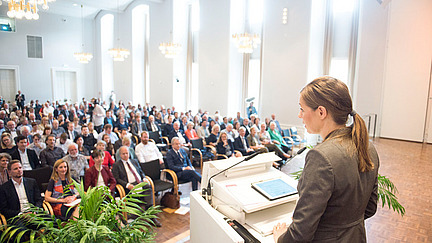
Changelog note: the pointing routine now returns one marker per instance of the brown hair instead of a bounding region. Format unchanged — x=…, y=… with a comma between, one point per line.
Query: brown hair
x=55, y=175
x=334, y=95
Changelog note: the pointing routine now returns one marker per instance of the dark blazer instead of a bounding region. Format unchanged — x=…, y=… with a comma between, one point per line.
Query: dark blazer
x=238, y=145
x=91, y=178
x=31, y=155
x=247, y=130
x=119, y=172
x=135, y=128
x=220, y=149
x=174, y=134
x=74, y=132
x=89, y=142
x=167, y=128
x=334, y=197
x=149, y=127
x=9, y=201
x=174, y=162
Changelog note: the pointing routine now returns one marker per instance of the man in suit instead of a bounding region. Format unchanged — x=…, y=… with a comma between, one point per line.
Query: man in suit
x=128, y=173
x=20, y=98
x=89, y=139
x=138, y=126
x=71, y=133
x=27, y=157
x=152, y=125
x=16, y=193
x=177, y=132
x=179, y=162
x=241, y=143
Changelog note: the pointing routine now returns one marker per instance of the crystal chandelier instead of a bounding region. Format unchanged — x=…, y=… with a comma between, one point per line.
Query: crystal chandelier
x=118, y=54
x=170, y=49
x=28, y=9
x=246, y=42
x=83, y=57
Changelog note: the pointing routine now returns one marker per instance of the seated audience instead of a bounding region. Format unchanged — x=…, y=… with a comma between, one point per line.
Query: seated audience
x=77, y=162
x=63, y=142
x=25, y=131
x=229, y=131
x=99, y=175
x=109, y=146
x=213, y=138
x=56, y=129
x=147, y=151
x=138, y=126
x=254, y=142
x=121, y=124
x=28, y=158
x=5, y=159
x=47, y=131
x=190, y=131
x=17, y=193
x=89, y=139
x=126, y=142
x=203, y=131
x=11, y=128
x=152, y=125
x=118, y=143
x=128, y=173
x=51, y=153
x=108, y=160
x=264, y=138
x=225, y=146
x=7, y=144
x=37, y=144
x=277, y=139
x=241, y=144
x=92, y=130
x=71, y=133
x=108, y=130
x=61, y=191
x=184, y=140
x=236, y=126
x=81, y=149
x=178, y=161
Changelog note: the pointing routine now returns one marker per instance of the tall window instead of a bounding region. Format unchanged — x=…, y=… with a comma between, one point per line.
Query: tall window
x=245, y=69
x=140, y=69
x=194, y=26
x=107, y=41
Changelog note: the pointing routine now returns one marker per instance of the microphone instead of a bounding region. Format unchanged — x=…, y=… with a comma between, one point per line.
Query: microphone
x=208, y=191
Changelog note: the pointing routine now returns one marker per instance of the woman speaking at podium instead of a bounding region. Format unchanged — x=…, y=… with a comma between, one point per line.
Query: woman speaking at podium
x=338, y=187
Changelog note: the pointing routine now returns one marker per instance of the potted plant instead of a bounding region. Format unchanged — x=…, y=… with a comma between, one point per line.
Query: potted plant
x=100, y=220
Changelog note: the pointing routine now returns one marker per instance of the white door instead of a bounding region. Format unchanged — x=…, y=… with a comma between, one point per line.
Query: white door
x=8, y=84
x=65, y=86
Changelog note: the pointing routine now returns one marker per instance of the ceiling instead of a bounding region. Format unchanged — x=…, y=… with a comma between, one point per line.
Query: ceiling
x=90, y=7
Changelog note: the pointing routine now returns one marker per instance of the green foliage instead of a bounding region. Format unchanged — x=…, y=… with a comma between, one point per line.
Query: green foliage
x=386, y=192
x=100, y=220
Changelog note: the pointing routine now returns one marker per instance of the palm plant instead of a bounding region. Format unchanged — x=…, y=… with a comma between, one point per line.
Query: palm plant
x=100, y=220
x=386, y=192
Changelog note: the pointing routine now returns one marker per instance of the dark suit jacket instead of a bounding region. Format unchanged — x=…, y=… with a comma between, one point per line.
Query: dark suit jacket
x=220, y=149
x=91, y=178
x=119, y=172
x=31, y=155
x=135, y=128
x=167, y=128
x=174, y=162
x=89, y=142
x=74, y=132
x=238, y=145
x=149, y=127
x=9, y=201
x=174, y=134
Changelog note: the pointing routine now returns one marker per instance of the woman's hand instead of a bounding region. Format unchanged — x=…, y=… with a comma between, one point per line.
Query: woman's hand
x=278, y=230
x=70, y=199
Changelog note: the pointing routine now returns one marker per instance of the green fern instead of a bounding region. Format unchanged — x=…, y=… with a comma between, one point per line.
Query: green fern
x=386, y=192
x=99, y=220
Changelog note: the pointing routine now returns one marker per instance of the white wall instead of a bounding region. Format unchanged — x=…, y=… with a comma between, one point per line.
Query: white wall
x=285, y=59
x=61, y=38
x=407, y=70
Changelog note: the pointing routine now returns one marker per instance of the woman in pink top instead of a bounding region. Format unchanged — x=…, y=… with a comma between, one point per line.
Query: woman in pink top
x=190, y=131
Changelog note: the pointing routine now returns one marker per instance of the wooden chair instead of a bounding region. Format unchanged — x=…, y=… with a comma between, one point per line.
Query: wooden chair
x=121, y=194
x=3, y=220
x=47, y=207
x=199, y=148
x=161, y=142
x=153, y=173
x=218, y=156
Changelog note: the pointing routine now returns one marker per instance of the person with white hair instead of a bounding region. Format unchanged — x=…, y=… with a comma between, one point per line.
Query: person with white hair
x=77, y=162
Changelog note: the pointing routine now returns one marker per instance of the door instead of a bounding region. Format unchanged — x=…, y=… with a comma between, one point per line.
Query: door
x=8, y=84
x=65, y=86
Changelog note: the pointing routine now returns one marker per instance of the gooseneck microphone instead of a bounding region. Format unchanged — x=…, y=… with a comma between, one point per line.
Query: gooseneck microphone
x=208, y=191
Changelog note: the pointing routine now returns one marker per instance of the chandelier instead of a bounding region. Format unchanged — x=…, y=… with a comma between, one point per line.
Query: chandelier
x=246, y=42
x=170, y=49
x=118, y=54
x=28, y=9
x=83, y=57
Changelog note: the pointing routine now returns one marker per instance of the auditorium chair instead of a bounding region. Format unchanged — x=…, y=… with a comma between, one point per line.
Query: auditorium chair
x=41, y=175
x=154, y=174
x=157, y=139
x=199, y=148
x=3, y=220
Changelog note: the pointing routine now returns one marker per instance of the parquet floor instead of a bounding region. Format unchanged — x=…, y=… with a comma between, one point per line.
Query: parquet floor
x=407, y=164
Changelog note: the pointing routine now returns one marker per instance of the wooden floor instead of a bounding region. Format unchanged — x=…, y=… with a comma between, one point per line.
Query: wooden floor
x=407, y=164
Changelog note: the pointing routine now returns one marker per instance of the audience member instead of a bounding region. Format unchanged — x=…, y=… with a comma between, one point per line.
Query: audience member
x=63, y=142
x=51, y=153
x=7, y=144
x=152, y=125
x=89, y=139
x=277, y=139
x=225, y=146
x=108, y=130
x=5, y=159
x=28, y=158
x=190, y=131
x=77, y=162
x=147, y=151
x=179, y=162
x=241, y=144
x=37, y=144
x=108, y=160
x=99, y=175
x=81, y=149
x=138, y=126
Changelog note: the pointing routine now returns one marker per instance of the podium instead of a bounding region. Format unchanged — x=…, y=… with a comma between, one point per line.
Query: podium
x=234, y=198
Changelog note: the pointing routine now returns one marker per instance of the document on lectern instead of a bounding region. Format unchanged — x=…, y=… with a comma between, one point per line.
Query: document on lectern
x=274, y=189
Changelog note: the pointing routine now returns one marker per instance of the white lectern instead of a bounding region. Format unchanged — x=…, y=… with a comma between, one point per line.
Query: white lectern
x=234, y=198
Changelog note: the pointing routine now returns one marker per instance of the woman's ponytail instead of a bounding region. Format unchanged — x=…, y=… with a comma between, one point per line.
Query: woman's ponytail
x=360, y=139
